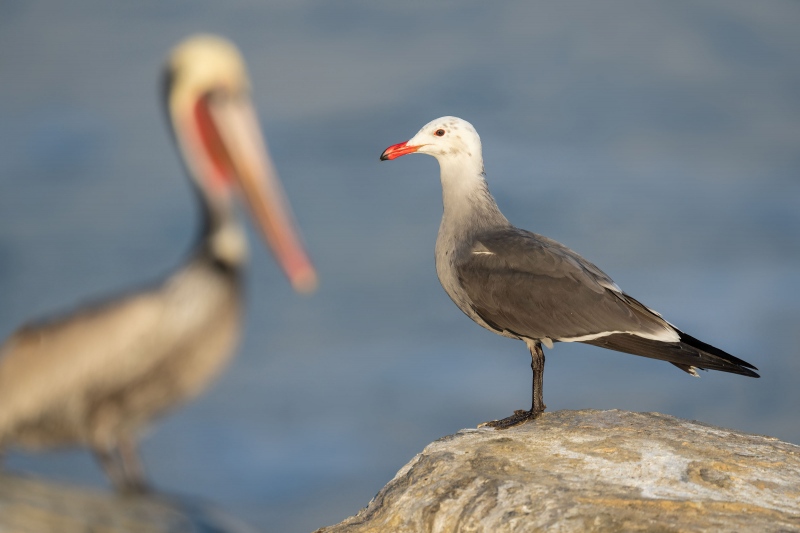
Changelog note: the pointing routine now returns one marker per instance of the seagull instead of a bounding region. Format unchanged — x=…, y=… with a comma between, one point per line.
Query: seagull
x=525, y=286
x=97, y=376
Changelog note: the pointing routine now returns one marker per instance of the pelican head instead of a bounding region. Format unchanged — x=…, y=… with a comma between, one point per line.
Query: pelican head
x=216, y=128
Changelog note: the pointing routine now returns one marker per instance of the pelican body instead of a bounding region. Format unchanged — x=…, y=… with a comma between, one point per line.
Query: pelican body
x=96, y=376
x=525, y=286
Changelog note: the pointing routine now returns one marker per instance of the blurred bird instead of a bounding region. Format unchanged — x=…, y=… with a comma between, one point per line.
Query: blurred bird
x=525, y=286
x=96, y=376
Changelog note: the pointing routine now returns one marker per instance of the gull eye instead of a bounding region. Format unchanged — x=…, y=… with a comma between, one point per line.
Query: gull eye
x=439, y=133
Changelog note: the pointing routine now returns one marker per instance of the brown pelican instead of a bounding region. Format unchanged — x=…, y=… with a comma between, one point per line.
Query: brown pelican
x=96, y=376
x=525, y=286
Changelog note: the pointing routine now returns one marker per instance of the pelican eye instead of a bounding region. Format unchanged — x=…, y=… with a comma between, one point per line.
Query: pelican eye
x=439, y=133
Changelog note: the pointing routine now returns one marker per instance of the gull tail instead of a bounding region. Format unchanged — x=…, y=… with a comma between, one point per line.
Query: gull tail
x=687, y=354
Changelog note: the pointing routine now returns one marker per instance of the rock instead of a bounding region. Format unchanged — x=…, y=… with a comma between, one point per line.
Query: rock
x=592, y=471
x=38, y=506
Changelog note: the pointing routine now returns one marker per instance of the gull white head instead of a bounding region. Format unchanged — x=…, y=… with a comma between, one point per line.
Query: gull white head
x=446, y=139
x=457, y=146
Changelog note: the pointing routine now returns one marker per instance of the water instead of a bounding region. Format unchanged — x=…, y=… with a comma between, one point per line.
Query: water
x=659, y=140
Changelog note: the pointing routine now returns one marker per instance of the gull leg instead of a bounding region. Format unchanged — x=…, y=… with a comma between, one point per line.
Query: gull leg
x=537, y=367
x=537, y=403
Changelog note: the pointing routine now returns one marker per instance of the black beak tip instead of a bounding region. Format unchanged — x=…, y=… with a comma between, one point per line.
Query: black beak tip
x=384, y=157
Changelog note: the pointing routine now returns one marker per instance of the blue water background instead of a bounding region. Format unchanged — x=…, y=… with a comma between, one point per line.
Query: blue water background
x=661, y=140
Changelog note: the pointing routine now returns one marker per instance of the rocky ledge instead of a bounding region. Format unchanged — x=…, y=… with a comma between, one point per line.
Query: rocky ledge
x=592, y=471
x=30, y=505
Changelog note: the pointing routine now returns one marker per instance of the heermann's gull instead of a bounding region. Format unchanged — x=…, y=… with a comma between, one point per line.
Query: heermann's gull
x=96, y=376
x=525, y=286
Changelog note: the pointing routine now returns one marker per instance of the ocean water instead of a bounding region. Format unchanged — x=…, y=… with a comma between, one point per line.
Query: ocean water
x=661, y=141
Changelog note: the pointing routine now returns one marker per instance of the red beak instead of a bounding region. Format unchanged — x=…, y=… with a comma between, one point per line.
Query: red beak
x=395, y=151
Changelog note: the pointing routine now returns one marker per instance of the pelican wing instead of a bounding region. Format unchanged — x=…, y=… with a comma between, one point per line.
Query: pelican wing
x=64, y=362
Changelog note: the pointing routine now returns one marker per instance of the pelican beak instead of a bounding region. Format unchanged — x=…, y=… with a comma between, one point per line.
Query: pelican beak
x=396, y=150
x=240, y=136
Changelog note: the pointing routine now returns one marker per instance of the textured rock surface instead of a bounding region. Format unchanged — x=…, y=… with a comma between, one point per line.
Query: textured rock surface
x=592, y=471
x=38, y=506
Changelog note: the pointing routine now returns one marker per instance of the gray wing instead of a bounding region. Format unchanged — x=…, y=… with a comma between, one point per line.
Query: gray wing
x=534, y=287
x=531, y=286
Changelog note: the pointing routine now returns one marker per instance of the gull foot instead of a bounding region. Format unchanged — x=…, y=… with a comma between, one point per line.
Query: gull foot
x=519, y=417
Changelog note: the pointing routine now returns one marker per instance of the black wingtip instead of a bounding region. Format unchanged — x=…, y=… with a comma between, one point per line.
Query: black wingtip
x=743, y=367
x=686, y=353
